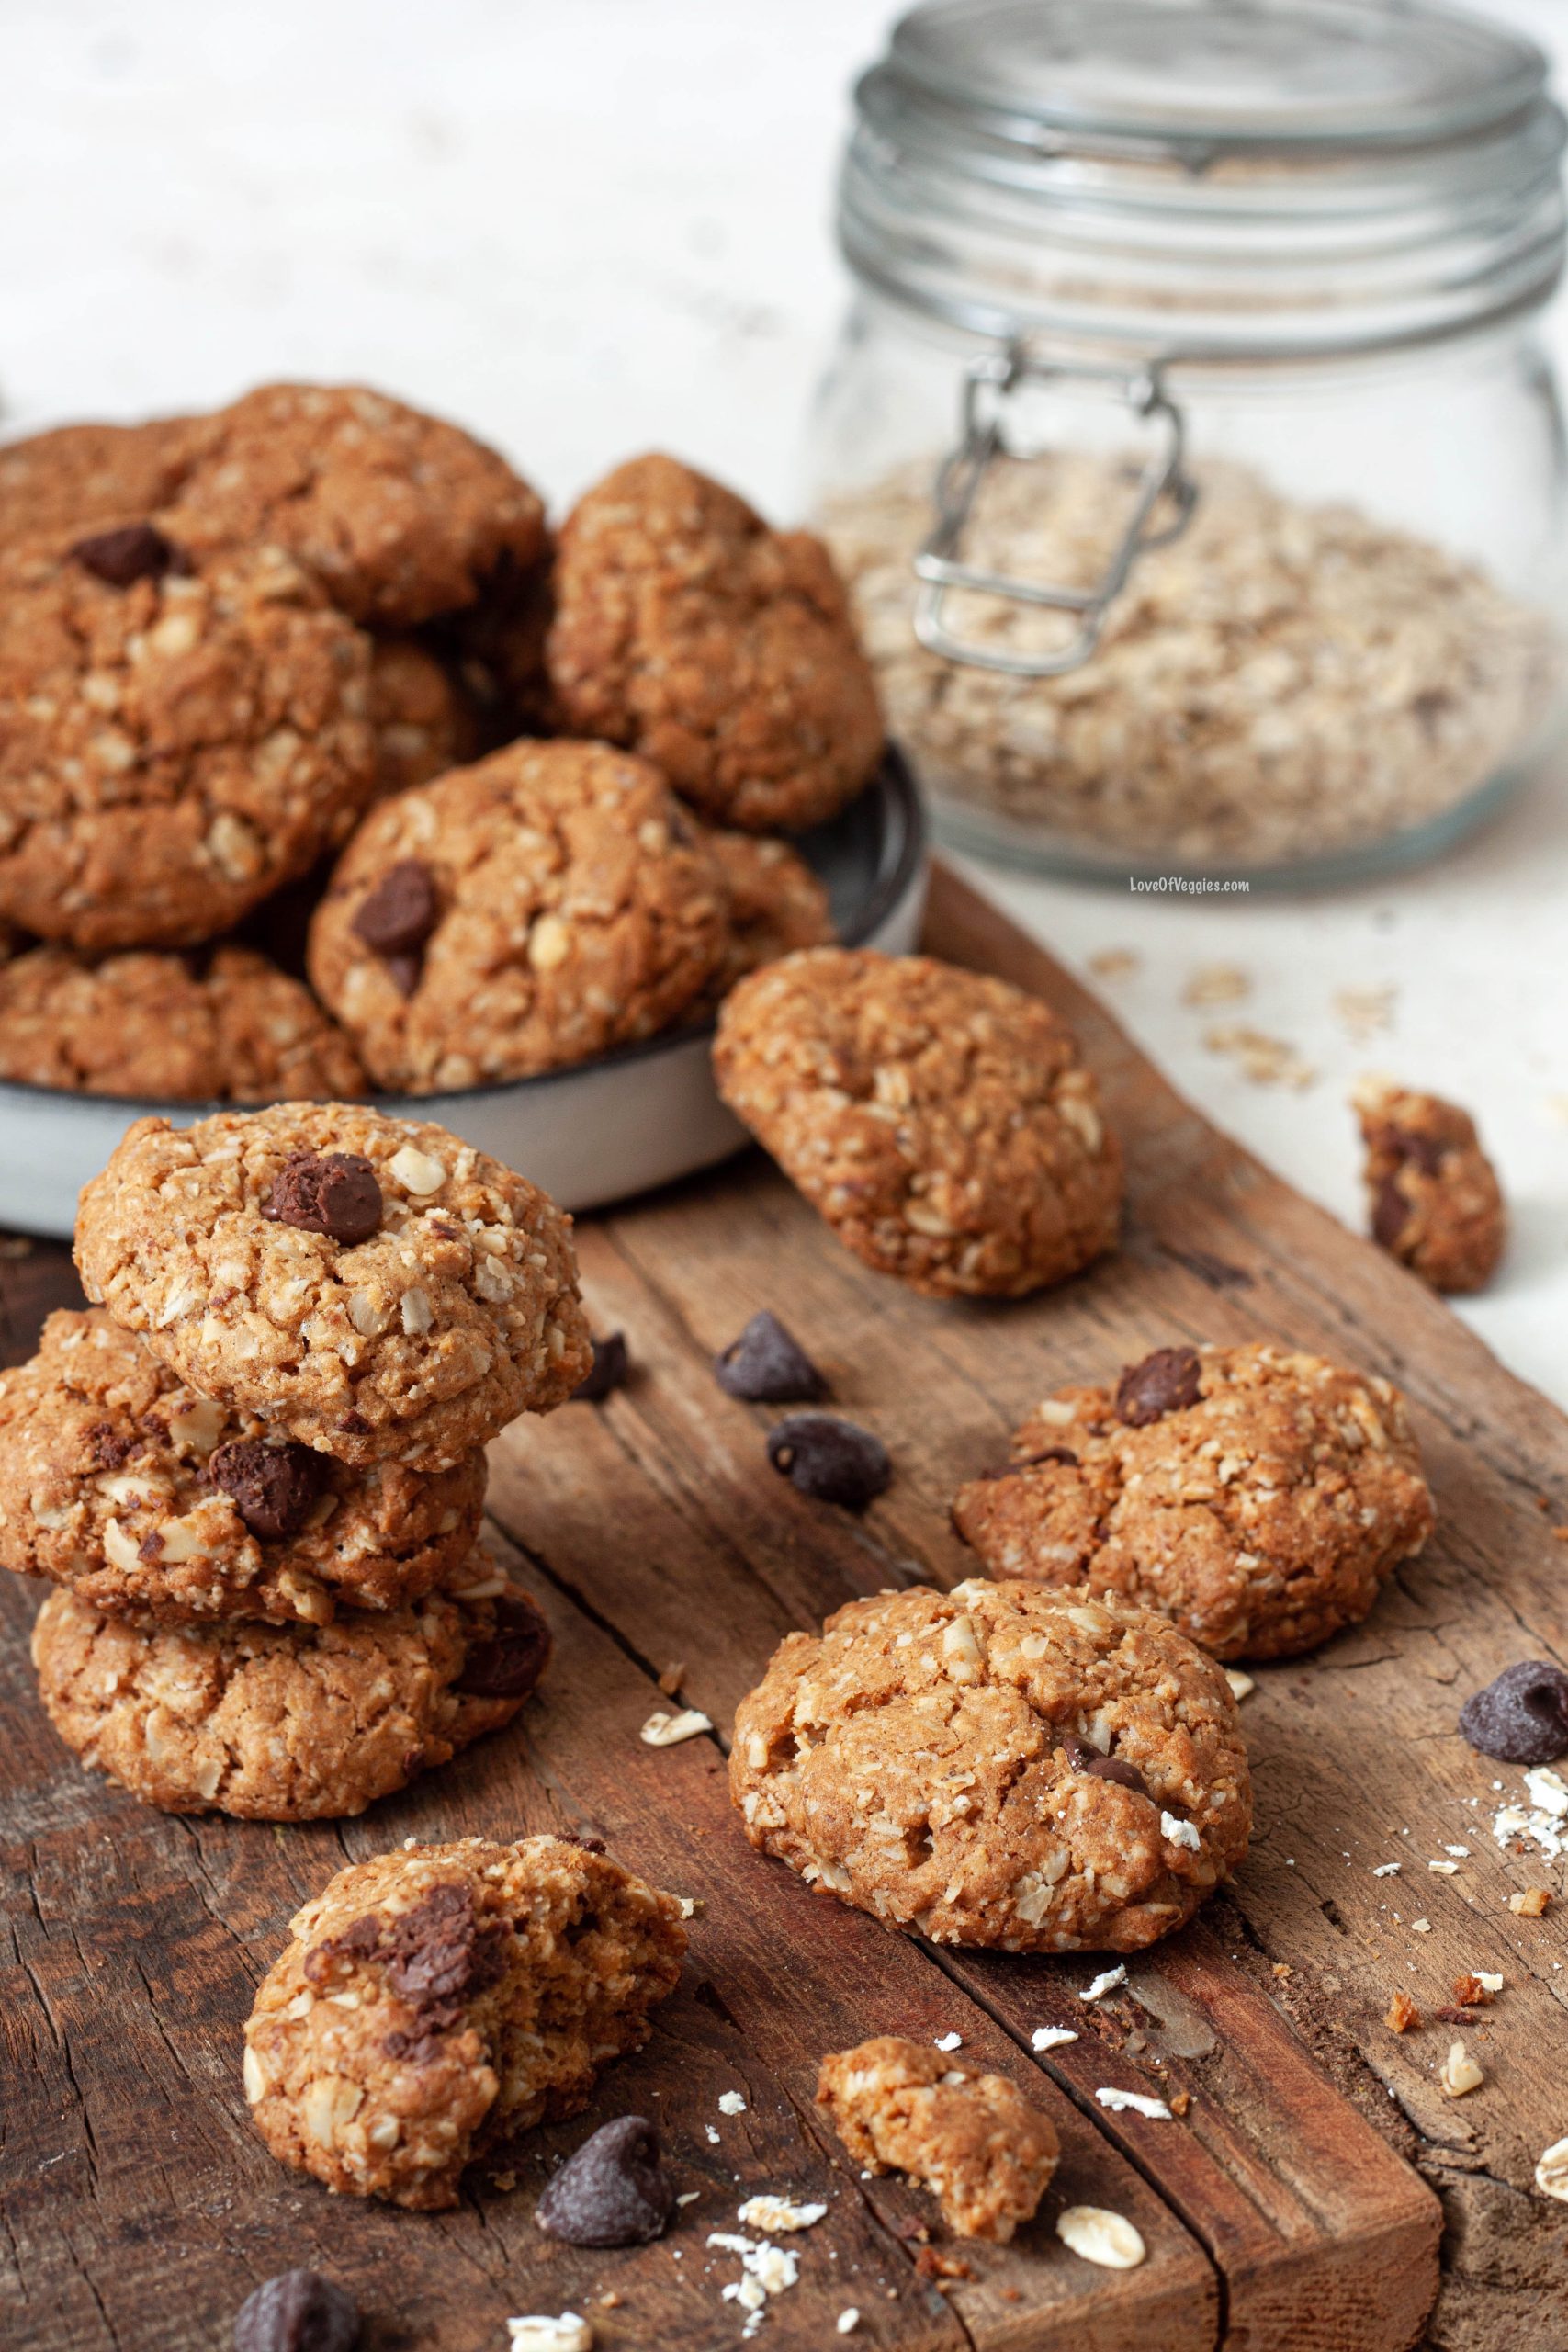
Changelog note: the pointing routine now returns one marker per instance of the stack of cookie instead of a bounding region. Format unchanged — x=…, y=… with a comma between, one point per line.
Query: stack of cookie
x=256, y=1469
x=231, y=644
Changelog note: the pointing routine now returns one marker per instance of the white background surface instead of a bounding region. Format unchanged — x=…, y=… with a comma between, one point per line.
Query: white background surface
x=585, y=227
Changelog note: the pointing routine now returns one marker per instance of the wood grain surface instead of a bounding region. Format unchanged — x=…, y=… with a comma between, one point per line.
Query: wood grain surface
x=1291, y=2207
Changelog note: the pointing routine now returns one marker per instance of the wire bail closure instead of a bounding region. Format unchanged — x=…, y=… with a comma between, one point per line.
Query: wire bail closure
x=989, y=382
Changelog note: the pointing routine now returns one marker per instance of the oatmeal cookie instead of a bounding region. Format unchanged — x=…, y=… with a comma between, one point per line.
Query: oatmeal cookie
x=398, y=515
x=121, y=1482
x=776, y=904
x=533, y=911
x=1257, y=1498
x=371, y=1286
x=1435, y=1201
x=973, y=2139
x=423, y=720
x=226, y=1028
x=940, y=1120
x=1001, y=1764
x=296, y=1722
x=487, y=1985
x=175, y=741
x=687, y=631
x=83, y=477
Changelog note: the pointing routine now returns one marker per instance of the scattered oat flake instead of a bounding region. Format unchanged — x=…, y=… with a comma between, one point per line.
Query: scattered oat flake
x=538, y=2334
x=732, y=2103
x=774, y=2213
x=663, y=1730
x=1461, y=1850
x=1178, y=1832
x=1241, y=1684
x=1155, y=2109
x=1386, y=1870
x=1217, y=984
x=1445, y=1870
x=688, y=2197
x=1110, y=2239
x=1365, y=1012
x=1104, y=1984
x=1121, y=962
x=847, y=2321
x=1051, y=2037
x=1421, y=1927
x=1460, y=2073
x=948, y=2042
x=1552, y=2170
x=1261, y=1060
x=1548, y=1790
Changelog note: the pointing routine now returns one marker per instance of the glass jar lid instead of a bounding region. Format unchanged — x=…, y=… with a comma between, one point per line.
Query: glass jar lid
x=1195, y=179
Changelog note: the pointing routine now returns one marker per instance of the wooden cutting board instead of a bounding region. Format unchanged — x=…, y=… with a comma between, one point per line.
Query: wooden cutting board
x=1295, y=2206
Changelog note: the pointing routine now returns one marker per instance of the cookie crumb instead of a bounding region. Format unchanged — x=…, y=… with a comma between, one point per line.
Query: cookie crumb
x=732, y=2103
x=1552, y=2171
x=1460, y=2073
x=1108, y=1981
x=948, y=2042
x=1242, y=1685
x=1402, y=2016
x=1134, y=2102
x=1051, y=2037
x=569, y=2333
x=1530, y=1902
x=1421, y=1927
x=663, y=1730
x=770, y=2214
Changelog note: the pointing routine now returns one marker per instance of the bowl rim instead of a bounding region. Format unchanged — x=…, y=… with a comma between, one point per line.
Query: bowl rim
x=893, y=777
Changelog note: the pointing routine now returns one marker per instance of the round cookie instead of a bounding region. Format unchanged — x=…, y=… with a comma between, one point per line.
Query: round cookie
x=1435, y=1201
x=532, y=911
x=940, y=1120
x=371, y=1286
x=82, y=478
x=1257, y=1498
x=176, y=741
x=300, y=1723
x=423, y=721
x=438, y=2000
x=122, y=1484
x=723, y=651
x=997, y=1766
x=776, y=904
x=399, y=516
x=231, y=1028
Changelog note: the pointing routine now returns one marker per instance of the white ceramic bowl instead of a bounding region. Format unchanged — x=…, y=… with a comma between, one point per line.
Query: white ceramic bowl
x=638, y=1117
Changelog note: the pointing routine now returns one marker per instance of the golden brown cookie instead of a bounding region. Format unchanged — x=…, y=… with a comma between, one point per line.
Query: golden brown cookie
x=424, y=722
x=974, y=2139
x=439, y=1999
x=1435, y=1199
x=940, y=1120
x=999, y=1765
x=1258, y=1497
x=286, y=1722
x=533, y=911
x=176, y=741
x=371, y=1286
x=121, y=1482
x=776, y=904
x=226, y=1028
x=399, y=516
x=723, y=651
x=83, y=477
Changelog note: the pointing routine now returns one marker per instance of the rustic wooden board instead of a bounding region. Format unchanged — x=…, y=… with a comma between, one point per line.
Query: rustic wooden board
x=1288, y=2209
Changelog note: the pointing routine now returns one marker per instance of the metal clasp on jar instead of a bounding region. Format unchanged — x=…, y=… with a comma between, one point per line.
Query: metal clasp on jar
x=989, y=382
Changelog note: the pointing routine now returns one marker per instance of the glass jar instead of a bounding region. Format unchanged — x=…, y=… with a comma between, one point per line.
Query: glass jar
x=1190, y=446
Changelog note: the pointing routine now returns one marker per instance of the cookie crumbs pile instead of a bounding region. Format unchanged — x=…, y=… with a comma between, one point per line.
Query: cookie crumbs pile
x=255, y=1468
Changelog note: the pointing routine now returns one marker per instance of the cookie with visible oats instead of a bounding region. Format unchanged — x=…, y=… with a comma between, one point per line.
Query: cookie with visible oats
x=1435, y=1199
x=550, y=903
x=439, y=2000
x=119, y=1482
x=372, y=1287
x=286, y=1723
x=940, y=1120
x=974, y=2141
x=1259, y=1497
x=423, y=719
x=228, y=1028
x=1001, y=1764
x=775, y=904
x=723, y=651
x=82, y=478
x=177, y=740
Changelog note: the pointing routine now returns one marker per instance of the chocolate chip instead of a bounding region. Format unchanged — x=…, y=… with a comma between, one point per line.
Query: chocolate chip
x=1390, y=1212
x=401, y=911
x=273, y=1487
x=112, y=1447
x=1084, y=1756
x=613, y=2191
x=1164, y=1382
x=767, y=1365
x=120, y=558
x=832, y=1461
x=405, y=972
x=611, y=1368
x=436, y=1953
x=1422, y=1151
x=510, y=1663
x=333, y=1192
x=297, y=2312
x=1522, y=1717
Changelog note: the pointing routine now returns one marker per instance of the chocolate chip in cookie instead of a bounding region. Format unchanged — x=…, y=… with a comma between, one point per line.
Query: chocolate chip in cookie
x=767, y=1365
x=1166, y=1382
x=510, y=1663
x=273, y=1487
x=336, y=1192
x=297, y=2312
x=832, y=1461
x=1084, y=1756
x=120, y=558
x=613, y=2191
x=398, y=916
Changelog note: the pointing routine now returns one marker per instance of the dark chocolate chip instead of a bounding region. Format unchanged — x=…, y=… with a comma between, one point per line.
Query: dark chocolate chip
x=611, y=1368
x=767, y=1365
x=438, y=1953
x=297, y=2312
x=613, y=2191
x=135, y=551
x=832, y=1461
x=401, y=911
x=1522, y=1717
x=510, y=1663
x=404, y=972
x=1164, y=1382
x=1390, y=1212
x=333, y=1192
x=1084, y=1756
x=112, y=1447
x=578, y=1837
x=273, y=1487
